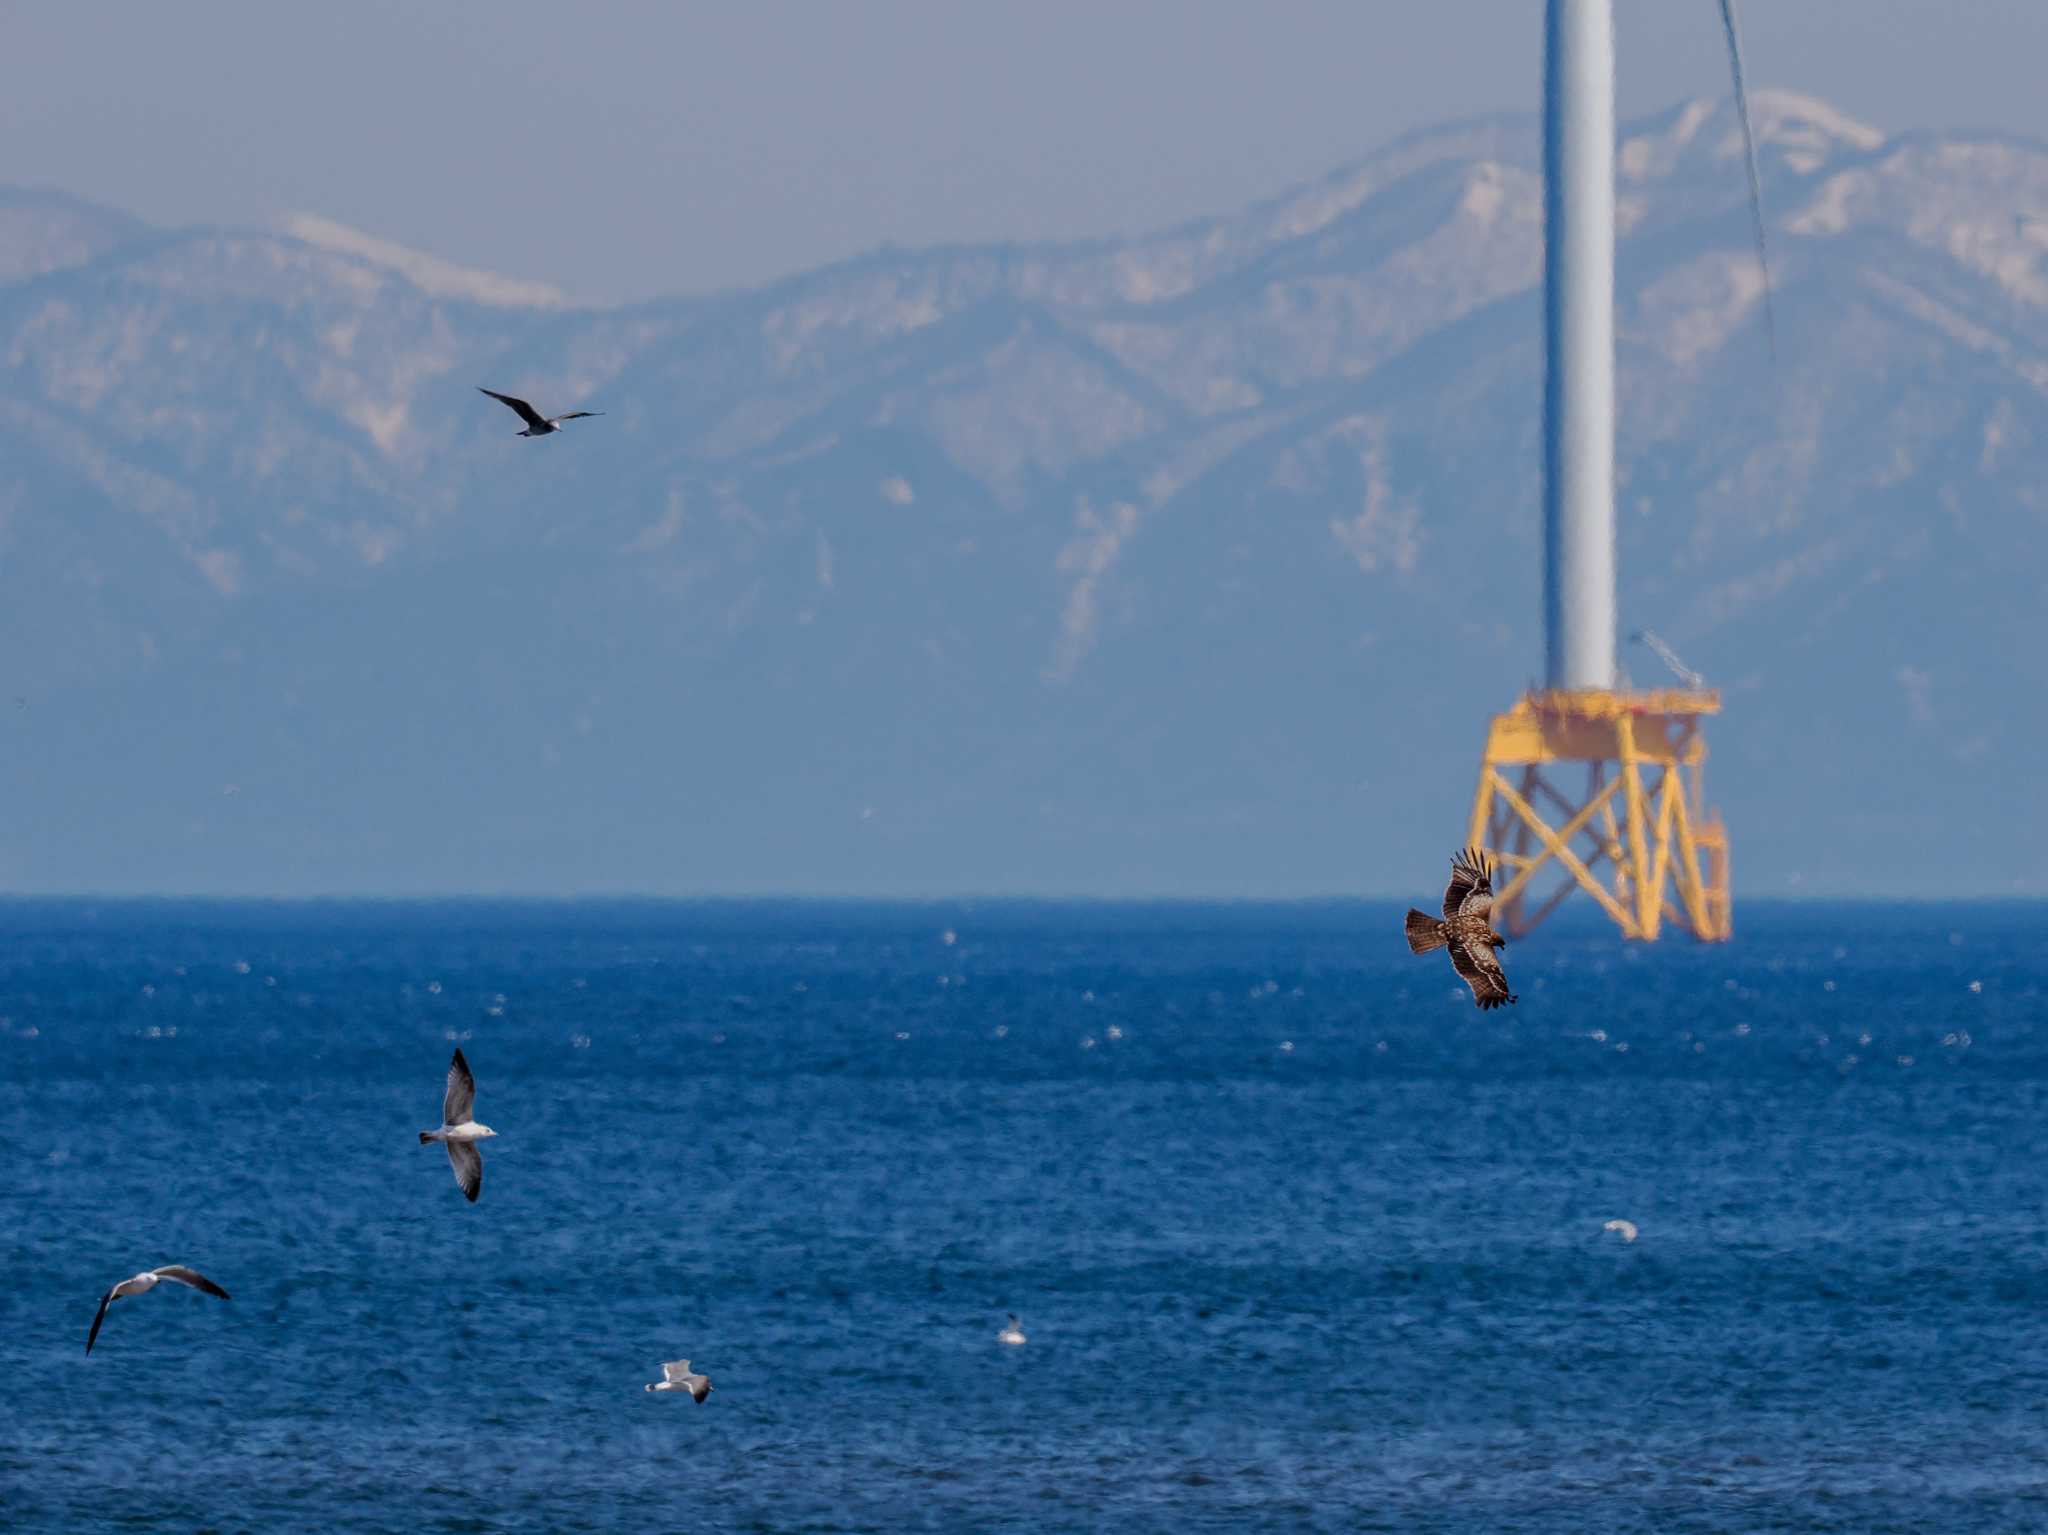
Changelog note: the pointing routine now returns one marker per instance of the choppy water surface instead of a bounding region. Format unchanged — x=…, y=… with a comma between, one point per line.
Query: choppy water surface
x=1300, y=1239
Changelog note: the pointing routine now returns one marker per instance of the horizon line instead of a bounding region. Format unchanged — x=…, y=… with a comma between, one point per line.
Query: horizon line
x=925, y=898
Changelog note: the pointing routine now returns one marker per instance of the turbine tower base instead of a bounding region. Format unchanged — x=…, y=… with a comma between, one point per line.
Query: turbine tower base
x=1641, y=817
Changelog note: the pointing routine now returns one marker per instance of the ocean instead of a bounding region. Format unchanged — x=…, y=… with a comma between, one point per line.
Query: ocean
x=1299, y=1238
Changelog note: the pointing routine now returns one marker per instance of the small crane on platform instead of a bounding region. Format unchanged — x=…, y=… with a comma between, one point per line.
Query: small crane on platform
x=1669, y=657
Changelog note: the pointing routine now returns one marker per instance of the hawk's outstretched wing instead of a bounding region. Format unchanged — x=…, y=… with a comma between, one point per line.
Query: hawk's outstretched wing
x=1482, y=972
x=1471, y=882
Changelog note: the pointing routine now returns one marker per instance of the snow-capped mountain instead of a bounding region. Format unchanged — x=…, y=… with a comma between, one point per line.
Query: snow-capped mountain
x=1194, y=562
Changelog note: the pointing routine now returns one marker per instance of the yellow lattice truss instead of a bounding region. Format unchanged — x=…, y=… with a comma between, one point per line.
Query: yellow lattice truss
x=1641, y=821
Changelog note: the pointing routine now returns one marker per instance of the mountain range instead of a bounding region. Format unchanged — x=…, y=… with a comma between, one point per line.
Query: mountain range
x=1185, y=564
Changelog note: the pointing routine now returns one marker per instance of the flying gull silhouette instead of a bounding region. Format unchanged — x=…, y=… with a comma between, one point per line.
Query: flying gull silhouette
x=459, y=1130
x=537, y=425
x=142, y=1284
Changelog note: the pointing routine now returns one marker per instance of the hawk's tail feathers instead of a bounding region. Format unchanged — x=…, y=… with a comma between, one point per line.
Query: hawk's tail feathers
x=1424, y=932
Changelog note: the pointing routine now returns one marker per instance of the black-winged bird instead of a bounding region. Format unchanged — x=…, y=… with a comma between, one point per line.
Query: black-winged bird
x=142, y=1284
x=537, y=425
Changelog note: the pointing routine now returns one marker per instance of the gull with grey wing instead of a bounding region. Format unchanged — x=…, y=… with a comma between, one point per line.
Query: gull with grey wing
x=459, y=1130
x=676, y=1376
x=143, y=1283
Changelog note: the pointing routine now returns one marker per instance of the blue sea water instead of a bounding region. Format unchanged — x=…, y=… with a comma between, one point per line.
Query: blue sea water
x=1301, y=1240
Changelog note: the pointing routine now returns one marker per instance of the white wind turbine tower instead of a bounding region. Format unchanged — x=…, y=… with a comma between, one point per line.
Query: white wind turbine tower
x=1654, y=831
x=1578, y=284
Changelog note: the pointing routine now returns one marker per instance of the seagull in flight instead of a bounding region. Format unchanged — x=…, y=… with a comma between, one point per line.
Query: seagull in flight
x=142, y=1284
x=459, y=1130
x=676, y=1376
x=537, y=425
x=1013, y=1334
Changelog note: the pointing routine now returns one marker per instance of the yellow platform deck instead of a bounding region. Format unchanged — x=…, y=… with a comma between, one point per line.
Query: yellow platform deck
x=1641, y=820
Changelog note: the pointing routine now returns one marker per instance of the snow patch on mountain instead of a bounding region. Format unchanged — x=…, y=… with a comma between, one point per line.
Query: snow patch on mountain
x=430, y=274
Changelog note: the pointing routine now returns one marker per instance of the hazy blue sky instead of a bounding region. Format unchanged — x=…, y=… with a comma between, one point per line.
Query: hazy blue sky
x=628, y=149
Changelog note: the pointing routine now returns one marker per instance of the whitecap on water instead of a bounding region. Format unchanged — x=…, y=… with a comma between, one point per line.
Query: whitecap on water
x=949, y=938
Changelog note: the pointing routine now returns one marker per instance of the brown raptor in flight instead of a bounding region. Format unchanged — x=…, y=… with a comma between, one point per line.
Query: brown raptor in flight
x=1465, y=929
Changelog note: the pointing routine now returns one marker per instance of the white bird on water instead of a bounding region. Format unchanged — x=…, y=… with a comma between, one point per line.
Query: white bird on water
x=459, y=1129
x=1013, y=1334
x=142, y=1284
x=676, y=1376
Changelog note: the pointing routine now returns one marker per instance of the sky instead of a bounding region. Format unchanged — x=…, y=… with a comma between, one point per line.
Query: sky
x=624, y=150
